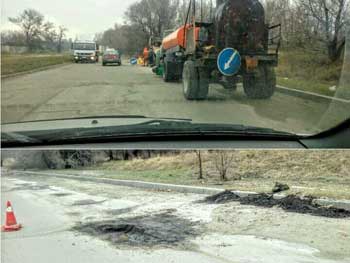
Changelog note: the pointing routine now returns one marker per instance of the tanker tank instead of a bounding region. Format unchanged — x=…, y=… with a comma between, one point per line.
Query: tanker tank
x=241, y=24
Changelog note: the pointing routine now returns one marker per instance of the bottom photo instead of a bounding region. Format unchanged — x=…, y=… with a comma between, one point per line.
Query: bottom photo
x=175, y=206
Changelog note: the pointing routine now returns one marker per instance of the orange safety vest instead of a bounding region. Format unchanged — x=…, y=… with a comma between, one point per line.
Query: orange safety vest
x=145, y=52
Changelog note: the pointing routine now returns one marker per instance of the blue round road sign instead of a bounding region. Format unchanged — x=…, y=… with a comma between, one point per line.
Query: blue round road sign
x=133, y=61
x=229, y=61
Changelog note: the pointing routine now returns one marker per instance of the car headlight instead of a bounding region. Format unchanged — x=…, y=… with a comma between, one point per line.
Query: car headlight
x=92, y=58
x=76, y=57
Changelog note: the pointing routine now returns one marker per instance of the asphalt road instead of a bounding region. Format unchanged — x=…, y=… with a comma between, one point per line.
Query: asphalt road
x=92, y=90
x=49, y=208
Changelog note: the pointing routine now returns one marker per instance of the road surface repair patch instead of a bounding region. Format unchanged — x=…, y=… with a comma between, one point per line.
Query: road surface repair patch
x=291, y=203
x=164, y=230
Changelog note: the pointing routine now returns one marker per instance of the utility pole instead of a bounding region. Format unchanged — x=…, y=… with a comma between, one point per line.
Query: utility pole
x=211, y=11
x=202, y=11
x=194, y=11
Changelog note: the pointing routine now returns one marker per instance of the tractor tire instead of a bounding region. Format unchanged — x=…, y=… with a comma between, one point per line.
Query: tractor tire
x=166, y=73
x=190, y=81
x=203, y=83
x=176, y=78
x=261, y=84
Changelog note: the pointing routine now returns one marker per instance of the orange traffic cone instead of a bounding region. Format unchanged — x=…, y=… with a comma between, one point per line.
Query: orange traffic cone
x=11, y=222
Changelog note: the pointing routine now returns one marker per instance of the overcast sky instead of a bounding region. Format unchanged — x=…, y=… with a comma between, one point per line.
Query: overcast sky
x=83, y=18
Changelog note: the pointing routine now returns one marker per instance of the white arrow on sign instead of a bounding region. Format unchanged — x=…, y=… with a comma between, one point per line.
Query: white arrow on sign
x=228, y=63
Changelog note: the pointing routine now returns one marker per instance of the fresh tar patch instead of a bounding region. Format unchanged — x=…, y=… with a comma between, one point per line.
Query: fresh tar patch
x=164, y=230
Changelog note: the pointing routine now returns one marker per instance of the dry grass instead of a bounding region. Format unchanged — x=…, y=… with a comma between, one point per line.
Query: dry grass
x=309, y=71
x=12, y=64
x=319, y=173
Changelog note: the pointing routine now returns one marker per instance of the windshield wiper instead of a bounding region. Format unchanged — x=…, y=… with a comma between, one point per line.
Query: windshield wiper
x=148, y=129
x=11, y=137
x=104, y=117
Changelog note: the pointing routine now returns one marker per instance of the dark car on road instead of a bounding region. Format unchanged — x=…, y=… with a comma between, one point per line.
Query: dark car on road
x=111, y=57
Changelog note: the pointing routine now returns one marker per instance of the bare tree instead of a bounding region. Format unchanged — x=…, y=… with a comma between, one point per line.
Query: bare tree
x=223, y=162
x=204, y=11
x=153, y=16
x=329, y=18
x=60, y=35
x=31, y=23
x=49, y=34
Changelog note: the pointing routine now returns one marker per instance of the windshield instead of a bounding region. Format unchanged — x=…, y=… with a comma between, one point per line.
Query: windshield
x=84, y=46
x=281, y=65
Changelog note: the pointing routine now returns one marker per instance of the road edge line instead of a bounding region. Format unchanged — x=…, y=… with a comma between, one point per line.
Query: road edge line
x=340, y=204
x=308, y=95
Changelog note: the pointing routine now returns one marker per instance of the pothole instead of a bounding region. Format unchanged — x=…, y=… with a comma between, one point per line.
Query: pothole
x=28, y=186
x=143, y=231
x=87, y=202
x=61, y=194
x=291, y=203
x=92, y=83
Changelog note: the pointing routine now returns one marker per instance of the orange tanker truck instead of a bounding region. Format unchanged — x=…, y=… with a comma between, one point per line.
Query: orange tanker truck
x=235, y=46
x=173, y=47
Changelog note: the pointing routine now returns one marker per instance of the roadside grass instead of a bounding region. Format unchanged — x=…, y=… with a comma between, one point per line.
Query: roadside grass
x=308, y=71
x=12, y=64
x=320, y=174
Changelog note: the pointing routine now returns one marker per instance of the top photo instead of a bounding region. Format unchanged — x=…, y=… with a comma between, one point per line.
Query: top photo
x=186, y=74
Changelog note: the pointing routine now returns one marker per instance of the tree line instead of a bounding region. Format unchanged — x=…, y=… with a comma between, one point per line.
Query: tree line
x=223, y=161
x=35, y=32
x=314, y=25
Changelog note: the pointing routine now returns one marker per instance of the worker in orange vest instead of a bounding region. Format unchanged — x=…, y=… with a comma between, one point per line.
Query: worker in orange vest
x=145, y=56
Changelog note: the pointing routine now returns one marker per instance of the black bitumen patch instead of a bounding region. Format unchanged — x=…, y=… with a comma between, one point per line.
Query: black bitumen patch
x=221, y=198
x=165, y=230
x=291, y=203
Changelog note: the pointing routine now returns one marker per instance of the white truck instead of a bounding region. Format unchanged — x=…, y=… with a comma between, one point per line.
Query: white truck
x=85, y=51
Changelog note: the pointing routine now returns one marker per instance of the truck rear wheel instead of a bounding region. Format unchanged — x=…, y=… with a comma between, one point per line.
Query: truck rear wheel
x=195, y=82
x=166, y=72
x=203, y=88
x=261, y=84
x=190, y=80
